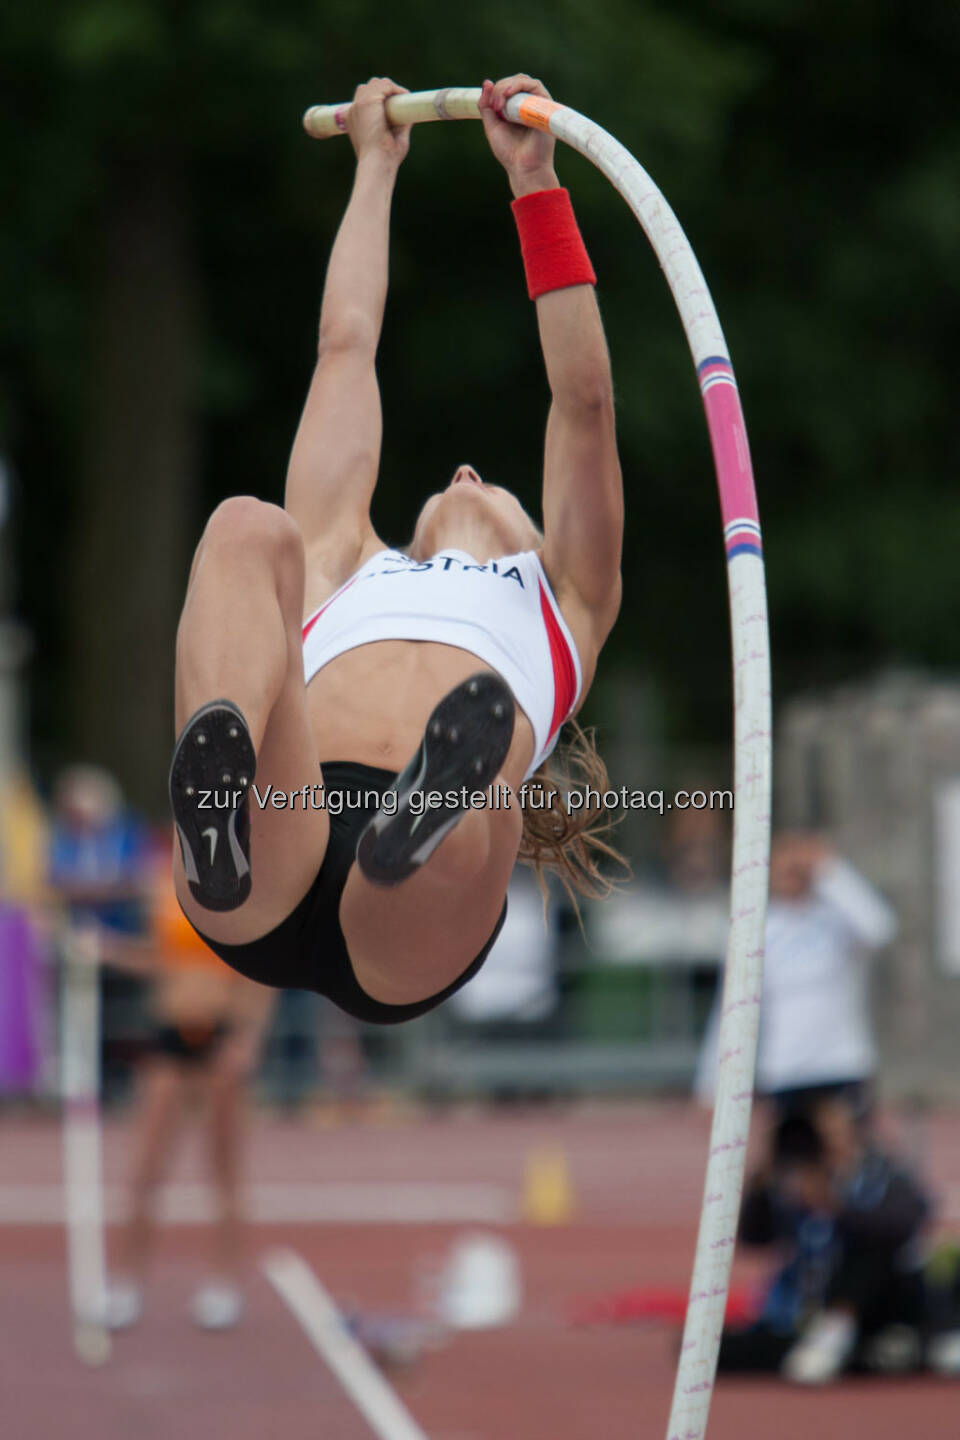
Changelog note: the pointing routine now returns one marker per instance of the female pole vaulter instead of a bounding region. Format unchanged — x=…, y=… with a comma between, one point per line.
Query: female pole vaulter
x=309, y=653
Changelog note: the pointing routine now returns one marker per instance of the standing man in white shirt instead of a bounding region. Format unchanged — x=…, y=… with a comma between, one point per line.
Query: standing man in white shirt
x=816, y=1034
x=824, y=924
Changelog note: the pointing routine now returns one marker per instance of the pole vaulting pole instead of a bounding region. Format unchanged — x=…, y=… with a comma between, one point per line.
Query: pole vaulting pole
x=751, y=696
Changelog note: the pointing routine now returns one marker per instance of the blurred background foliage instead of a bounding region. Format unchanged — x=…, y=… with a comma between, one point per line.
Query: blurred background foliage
x=166, y=226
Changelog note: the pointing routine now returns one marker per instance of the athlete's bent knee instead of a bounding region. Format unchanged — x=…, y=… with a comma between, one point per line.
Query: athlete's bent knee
x=245, y=525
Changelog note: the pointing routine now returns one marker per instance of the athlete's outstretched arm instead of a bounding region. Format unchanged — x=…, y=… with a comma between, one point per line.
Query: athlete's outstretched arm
x=336, y=454
x=582, y=484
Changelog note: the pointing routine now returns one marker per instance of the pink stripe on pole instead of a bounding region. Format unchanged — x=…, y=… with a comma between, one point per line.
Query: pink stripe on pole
x=731, y=453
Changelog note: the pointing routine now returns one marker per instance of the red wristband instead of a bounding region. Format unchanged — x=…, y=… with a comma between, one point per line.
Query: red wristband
x=554, y=255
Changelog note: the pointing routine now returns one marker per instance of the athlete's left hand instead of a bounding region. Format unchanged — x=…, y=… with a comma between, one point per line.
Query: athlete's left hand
x=525, y=154
x=368, y=127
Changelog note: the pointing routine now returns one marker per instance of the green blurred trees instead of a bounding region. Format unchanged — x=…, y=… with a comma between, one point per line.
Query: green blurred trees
x=166, y=226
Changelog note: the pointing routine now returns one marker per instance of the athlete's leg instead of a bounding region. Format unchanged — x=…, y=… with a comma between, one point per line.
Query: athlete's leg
x=240, y=639
x=226, y=1083
x=408, y=942
x=161, y=1108
x=246, y=578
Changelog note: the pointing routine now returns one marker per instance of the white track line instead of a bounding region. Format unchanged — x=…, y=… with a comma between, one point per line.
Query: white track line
x=297, y=1284
x=292, y=1203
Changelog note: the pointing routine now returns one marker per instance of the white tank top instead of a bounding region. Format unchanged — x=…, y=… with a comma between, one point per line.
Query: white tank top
x=504, y=612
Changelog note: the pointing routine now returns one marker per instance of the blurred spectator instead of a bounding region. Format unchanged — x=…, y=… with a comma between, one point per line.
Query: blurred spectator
x=343, y=1061
x=314, y=1047
x=208, y=1025
x=291, y=1070
x=98, y=853
x=851, y=1219
x=98, y=868
x=816, y=1032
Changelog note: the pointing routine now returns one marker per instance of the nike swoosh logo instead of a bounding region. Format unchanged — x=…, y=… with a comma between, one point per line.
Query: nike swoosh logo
x=213, y=841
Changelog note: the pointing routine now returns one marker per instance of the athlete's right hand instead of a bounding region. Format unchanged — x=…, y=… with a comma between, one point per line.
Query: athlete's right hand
x=526, y=154
x=367, y=125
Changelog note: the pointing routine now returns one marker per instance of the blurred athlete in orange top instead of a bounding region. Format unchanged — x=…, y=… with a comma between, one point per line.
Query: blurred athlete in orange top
x=208, y=1027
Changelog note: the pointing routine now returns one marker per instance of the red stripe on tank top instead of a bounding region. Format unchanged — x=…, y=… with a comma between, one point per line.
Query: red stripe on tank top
x=316, y=615
x=564, y=670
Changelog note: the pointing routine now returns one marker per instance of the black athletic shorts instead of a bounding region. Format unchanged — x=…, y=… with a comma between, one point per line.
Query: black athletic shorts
x=307, y=951
x=187, y=1044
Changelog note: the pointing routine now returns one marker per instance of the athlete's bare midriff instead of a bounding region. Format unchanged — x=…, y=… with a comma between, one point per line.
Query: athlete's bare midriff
x=370, y=704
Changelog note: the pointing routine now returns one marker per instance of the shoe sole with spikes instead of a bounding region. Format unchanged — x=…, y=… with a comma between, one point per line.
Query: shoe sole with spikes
x=210, y=778
x=465, y=743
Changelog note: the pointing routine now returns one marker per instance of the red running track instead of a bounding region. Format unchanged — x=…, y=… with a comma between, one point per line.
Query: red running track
x=636, y=1171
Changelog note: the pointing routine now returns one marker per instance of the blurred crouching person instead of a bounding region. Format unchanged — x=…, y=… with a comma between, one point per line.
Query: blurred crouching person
x=851, y=1221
